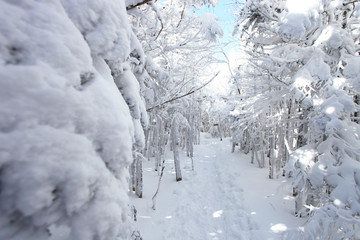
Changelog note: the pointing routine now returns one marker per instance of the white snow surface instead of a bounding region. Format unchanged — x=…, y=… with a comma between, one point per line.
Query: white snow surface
x=225, y=197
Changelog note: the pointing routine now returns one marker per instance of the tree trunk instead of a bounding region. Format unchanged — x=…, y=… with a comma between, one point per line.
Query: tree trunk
x=139, y=176
x=303, y=129
x=158, y=145
x=177, y=162
x=357, y=113
x=147, y=132
x=252, y=154
x=175, y=146
x=132, y=181
x=279, y=152
x=299, y=202
x=158, y=187
x=219, y=129
x=271, y=157
x=246, y=144
x=262, y=147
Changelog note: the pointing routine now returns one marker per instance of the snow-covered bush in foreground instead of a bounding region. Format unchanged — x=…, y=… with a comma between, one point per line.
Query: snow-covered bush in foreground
x=66, y=133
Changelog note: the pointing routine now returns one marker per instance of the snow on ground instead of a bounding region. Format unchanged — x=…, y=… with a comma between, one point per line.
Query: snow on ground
x=226, y=197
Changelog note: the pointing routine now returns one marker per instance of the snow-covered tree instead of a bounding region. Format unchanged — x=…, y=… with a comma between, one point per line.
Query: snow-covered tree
x=303, y=59
x=68, y=135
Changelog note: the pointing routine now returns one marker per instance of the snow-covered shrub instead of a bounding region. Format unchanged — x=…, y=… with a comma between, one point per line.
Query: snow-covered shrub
x=66, y=132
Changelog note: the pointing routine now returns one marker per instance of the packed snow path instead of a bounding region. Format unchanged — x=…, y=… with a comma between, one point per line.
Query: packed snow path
x=225, y=197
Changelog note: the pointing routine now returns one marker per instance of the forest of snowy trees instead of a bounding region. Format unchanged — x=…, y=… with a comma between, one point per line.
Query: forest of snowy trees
x=299, y=113
x=87, y=93
x=90, y=90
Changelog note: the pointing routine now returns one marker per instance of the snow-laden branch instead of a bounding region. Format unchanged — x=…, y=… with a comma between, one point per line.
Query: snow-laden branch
x=259, y=68
x=184, y=95
x=137, y=5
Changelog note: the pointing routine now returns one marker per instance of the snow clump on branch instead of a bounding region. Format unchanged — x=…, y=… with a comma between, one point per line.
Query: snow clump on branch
x=301, y=18
x=210, y=27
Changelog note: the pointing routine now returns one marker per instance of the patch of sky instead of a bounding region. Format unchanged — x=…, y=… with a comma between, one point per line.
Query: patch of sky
x=225, y=11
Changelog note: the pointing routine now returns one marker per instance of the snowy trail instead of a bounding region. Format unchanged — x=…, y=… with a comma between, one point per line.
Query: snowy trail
x=211, y=206
x=219, y=200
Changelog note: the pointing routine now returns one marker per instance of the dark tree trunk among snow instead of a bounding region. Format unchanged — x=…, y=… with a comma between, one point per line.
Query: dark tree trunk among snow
x=272, y=157
x=139, y=176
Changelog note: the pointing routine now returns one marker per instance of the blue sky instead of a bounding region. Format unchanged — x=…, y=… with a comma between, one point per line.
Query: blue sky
x=224, y=10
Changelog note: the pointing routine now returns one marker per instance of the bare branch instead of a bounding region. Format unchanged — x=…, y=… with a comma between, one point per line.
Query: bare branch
x=162, y=27
x=259, y=68
x=137, y=5
x=352, y=2
x=184, y=95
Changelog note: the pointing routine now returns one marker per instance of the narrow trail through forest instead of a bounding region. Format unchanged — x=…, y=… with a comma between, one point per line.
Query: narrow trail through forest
x=225, y=197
